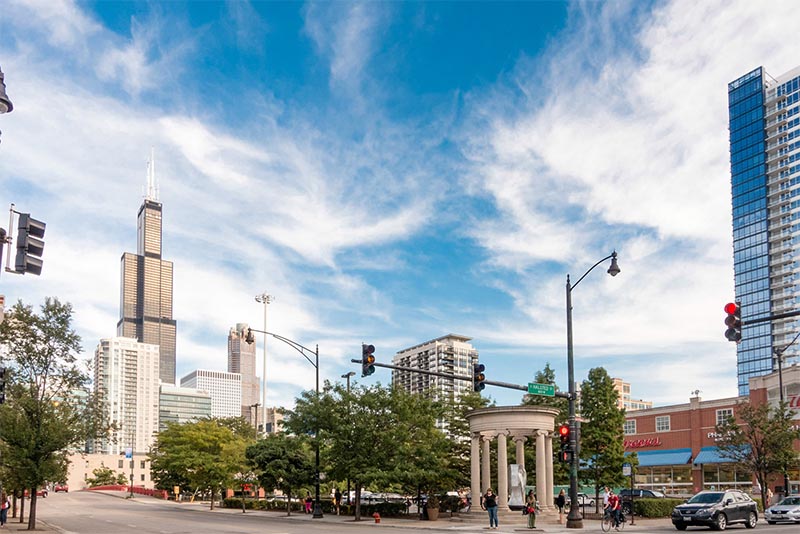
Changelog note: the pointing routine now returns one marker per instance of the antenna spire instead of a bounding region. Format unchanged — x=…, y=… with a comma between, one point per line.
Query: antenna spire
x=152, y=187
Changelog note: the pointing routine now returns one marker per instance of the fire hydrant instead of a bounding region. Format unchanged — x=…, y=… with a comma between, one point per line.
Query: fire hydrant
x=377, y=517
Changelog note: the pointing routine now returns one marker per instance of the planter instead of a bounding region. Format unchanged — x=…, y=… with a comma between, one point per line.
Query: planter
x=433, y=514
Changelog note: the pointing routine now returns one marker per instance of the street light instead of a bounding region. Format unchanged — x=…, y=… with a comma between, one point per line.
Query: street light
x=779, y=356
x=266, y=299
x=575, y=518
x=347, y=376
x=5, y=103
x=304, y=352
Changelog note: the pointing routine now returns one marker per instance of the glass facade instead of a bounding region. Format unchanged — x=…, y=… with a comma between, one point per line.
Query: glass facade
x=765, y=207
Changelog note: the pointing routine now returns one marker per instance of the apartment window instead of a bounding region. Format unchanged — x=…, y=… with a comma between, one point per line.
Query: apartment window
x=142, y=477
x=141, y=464
x=723, y=415
x=120, y=464
x=630, y=427
x=662, y=423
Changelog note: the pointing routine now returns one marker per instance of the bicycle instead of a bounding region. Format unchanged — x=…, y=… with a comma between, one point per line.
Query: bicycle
x=607, y=523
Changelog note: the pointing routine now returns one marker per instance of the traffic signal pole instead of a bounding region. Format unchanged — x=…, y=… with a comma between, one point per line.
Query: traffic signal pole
x=466, y=378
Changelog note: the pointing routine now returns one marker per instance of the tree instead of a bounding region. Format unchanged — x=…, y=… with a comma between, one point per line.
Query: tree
x=376, y=436
x=760, y=439
x=282, y=461
x=48, y=409
x=455, y=417
x=105, y=476
x=601, y=432
x=205, y=454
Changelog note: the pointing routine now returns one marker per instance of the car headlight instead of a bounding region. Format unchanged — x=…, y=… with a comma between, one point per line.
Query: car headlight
x=704, y=512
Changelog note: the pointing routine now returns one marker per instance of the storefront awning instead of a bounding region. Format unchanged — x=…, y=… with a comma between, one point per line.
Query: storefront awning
x=666, y=457
x=711, y=455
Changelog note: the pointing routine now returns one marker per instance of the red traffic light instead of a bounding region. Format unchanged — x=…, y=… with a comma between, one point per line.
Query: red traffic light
x=731, y=308
x=563, y=430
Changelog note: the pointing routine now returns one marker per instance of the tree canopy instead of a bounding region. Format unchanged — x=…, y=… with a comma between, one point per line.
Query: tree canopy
x=48, y=410
x=282, y=461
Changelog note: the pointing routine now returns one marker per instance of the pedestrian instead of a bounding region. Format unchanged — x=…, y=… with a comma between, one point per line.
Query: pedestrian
x=309, y=500
x=561, y=502
x=337, y=499
x=532, y=506
x=606, y=492
x=769, y=497
x=489, y=503
x=5, y=504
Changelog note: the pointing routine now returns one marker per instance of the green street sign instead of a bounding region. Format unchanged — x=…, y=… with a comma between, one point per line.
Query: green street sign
x=547, y=390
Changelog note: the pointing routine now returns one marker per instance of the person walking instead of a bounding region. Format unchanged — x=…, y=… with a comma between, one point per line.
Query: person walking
x=561, y=502
x=489, y=503
x=532, y=506
x=337, y=500
x=5, y=504
x=308, y=502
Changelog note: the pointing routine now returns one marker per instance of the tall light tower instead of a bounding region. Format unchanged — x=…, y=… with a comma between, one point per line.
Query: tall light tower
x=264, y=298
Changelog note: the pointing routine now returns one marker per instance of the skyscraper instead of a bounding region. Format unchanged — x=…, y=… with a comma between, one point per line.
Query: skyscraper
x=146, y=292
x=764, y=126
x=225, y=389
x=242, y=360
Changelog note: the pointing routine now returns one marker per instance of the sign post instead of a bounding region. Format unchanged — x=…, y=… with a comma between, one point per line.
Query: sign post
x=627, y=471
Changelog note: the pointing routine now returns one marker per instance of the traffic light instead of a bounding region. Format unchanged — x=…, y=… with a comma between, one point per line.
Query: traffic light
x=733, y=321
x=478, y=377
x=367, y=359
x=563, y=434
x=2, y=385
x=30, y=245
x=565, y=456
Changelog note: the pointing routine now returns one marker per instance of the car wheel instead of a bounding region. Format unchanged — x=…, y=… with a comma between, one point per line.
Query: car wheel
x=680, y=527
x=720, y=522
x=752, y=519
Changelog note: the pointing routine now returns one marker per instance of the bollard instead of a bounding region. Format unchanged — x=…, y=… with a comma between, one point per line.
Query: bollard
x=377, y=517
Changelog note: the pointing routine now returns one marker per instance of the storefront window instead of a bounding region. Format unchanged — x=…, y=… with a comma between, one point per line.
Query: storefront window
x=726, y=476
x=673, y=480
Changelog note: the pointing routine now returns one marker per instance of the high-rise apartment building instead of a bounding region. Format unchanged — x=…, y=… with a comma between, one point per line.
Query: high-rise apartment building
x=225, y=389
x=448, y=354
x=146, y=292
x=242, y=360
x=764, y=126
x=624, y=401
x=182, y=405
x=126, y=378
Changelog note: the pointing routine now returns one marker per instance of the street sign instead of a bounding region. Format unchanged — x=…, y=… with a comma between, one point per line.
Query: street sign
x=626, y=469
x=547, y=390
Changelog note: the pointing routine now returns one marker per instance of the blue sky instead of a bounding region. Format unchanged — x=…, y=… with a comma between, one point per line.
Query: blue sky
x=395, y=171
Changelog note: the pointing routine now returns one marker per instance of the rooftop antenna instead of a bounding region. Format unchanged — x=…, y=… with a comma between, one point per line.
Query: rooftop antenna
x=696, y=392
x=152, y=188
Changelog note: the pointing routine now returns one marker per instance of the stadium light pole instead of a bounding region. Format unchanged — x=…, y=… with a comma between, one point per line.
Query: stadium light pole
x=575, y=518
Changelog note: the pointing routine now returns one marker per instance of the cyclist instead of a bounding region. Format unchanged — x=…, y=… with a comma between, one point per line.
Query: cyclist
x=613, y=508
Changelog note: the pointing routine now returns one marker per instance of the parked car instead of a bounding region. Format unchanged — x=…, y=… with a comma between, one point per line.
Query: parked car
x=583, y=500
x=39, y=493
x=716, y=509
x=61, y=487
x=786, y=510
x=627, y=495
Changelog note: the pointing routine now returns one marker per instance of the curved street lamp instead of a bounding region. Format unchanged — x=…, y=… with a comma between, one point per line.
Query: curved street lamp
x=575, y=518
x=304, y=351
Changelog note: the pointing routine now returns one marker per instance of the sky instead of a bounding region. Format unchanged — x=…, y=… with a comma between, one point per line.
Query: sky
x=392, y=172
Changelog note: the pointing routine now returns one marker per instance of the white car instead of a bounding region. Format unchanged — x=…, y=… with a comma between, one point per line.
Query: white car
x=786, y=510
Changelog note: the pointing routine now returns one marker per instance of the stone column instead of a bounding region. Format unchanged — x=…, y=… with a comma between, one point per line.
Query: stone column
x=519, y=441
x=486, y=469
x=502, y=473
x=541, y=462
x=475, y=472
x=548, y=477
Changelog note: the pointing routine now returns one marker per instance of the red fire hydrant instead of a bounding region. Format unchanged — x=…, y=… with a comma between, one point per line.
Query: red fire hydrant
x=377, y=517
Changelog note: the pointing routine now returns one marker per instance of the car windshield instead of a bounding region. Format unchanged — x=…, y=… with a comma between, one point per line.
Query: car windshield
x=702, y=498
x=790, y=501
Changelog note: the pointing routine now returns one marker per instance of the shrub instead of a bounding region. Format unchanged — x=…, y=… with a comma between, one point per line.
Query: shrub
x=655, y=507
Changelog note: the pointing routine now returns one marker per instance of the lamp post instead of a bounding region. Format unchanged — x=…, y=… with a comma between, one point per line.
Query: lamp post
x=779, y=357
x=575, y=518
x=347, y=376
x=266, y=299
x=304, y=352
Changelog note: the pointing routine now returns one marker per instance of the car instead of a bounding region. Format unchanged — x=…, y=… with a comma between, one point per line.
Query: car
x=61, y=487
x=716, y=509
x=583, y=500
x=786, y=510
x=39, y=493
x=627, y=495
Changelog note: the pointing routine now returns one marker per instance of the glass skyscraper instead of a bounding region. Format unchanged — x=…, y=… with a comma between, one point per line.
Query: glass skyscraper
x=146, y=287
x=764, y=126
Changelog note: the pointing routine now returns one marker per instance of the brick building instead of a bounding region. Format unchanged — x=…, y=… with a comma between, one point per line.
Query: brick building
x=676, y=445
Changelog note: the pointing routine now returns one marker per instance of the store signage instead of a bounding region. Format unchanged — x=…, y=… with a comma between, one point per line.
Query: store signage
x=640, y=443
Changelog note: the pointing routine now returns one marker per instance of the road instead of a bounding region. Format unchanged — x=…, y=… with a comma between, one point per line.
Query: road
x=97, y=513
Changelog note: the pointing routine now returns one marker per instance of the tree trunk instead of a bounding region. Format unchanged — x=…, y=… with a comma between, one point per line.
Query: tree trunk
x=358, y=500
x=289, y=500
x=32, y=512
x=22, y=508
x=213, y=494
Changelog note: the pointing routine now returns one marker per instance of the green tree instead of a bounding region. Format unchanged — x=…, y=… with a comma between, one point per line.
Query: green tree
x=48, y=409
x=601, y=432
x=760, y=439
x=282, y=461
x=105, y=476
x=206, y=454
x=455, y=417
